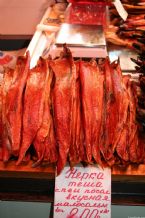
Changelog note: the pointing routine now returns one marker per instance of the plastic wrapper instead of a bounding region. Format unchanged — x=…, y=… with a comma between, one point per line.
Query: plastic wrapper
x=92, y=13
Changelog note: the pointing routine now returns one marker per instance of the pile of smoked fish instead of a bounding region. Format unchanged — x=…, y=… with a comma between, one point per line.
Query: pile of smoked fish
x=140, y=86
x=67, y=110
x=127, y=33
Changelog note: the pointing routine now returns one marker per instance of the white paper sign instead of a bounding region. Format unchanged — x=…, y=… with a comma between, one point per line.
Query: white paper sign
x=83, y=192
x=121, y=11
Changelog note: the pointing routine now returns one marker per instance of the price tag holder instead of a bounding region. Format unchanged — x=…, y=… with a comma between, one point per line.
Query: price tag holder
x=120, y=9
x=83, y=192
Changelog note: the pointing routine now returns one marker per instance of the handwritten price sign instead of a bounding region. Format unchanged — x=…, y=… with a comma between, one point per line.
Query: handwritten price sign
x=83, y=193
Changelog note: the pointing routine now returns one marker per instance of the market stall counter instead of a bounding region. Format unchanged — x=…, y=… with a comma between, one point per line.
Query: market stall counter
x=24, y=183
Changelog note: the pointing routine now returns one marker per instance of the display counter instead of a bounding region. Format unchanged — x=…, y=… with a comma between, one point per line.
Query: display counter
x=24, y=183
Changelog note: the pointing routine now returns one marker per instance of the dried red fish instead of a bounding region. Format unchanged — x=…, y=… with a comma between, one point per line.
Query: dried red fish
x=76, y=151
x=122, y=98
x=109, y=118
x=45, y=142
x=33, y=107
x=123, y=143
x=92, y=107
x=134, y=147
x=61, y=96
x=13, y=103
x=76, y=111
x=6, y=143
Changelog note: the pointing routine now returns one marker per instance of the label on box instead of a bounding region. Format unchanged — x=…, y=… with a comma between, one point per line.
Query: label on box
x=121, y=11
x=83, y=192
